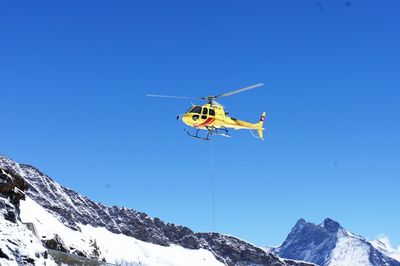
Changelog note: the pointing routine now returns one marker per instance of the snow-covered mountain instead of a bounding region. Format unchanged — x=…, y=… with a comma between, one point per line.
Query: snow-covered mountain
x=329, y=244
x=61, y=219
x=66, y=221
x=383, y=245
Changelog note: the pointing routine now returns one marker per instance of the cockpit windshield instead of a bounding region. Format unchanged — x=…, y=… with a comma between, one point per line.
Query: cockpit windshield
x=195, y=109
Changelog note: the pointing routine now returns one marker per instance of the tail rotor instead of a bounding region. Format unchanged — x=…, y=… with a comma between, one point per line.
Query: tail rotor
x=260, y=126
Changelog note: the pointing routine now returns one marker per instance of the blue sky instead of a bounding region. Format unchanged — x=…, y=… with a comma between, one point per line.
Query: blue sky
x=73, y=76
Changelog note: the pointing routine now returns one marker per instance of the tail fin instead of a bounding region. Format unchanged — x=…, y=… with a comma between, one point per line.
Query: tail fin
x=260, y=126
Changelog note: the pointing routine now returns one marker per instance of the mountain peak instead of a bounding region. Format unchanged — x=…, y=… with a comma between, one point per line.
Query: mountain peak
x=331, y=225
x=329, y=244
x=300, y=223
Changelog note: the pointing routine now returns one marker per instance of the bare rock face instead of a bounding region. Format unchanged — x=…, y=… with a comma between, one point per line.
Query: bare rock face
x=12, y=186
x=55, y=243
x=3, y=255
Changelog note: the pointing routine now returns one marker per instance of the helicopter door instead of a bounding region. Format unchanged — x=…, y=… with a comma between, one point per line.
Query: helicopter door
x=204, y=113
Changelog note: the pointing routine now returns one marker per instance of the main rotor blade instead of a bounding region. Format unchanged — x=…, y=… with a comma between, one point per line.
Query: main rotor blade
x=240, y=90
x=168, y=96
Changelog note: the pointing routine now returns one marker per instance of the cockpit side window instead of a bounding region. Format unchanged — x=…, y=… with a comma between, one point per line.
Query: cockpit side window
x=205, y=111
x=211, y=112
x=196, y=110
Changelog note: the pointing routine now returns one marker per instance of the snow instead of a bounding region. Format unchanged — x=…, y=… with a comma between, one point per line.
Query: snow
x=17, y=242
x=383, y=244
x=113, y=247
x=117, y=246
x=349, y=251
x=48, y=226
x=354, y=250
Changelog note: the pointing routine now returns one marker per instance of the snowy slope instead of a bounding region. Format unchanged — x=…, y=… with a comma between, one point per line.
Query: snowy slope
x=383, y=245
x=113, y=247
x=329, y=244
x=18, y=246
x=349, y=251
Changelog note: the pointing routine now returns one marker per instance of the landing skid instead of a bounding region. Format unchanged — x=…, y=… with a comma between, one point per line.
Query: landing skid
x=223, y=131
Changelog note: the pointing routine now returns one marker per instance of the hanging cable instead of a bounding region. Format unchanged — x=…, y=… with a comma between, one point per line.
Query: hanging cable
x=212, y=174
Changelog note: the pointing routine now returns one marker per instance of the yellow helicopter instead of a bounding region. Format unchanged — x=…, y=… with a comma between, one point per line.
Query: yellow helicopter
x=213, y=118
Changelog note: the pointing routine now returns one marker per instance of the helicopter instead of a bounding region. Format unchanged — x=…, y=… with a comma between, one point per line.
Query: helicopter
x=213, y=118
